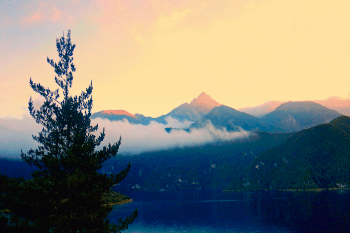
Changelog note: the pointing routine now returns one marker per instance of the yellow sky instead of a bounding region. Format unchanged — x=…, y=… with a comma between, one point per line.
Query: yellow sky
x=152, y=57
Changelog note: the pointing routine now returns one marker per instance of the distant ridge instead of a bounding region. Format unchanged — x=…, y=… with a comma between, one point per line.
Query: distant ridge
x=118, y=112
x=336, y=103
x=121, y=115
x=294, y=116
x=262, y=109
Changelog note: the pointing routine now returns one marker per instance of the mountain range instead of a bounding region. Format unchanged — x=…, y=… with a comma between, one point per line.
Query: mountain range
x=192, y=112
x=298, y=145
x=335, y=103
x=274, y=117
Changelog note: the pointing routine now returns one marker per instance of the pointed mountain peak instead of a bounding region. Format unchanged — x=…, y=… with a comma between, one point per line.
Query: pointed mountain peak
x=203, y=95
x=204, y=103
x=204, y=99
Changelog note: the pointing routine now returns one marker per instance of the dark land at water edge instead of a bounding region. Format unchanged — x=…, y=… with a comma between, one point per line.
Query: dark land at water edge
x=18, y=168
x=114, y=198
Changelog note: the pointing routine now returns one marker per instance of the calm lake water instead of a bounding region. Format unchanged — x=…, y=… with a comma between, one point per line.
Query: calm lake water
x=216, y=211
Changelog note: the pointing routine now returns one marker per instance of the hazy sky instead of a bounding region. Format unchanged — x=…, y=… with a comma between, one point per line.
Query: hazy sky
x=150, y=56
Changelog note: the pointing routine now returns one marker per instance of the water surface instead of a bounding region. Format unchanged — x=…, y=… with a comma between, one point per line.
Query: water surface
x=217, y=211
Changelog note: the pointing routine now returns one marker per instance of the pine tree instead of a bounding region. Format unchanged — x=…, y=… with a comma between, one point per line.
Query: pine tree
x=66, y=194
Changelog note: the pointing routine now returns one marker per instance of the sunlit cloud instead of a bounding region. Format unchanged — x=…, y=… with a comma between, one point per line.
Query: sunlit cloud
x=175, y=123
x=137, y=138
x=165, y=22
x=56, y=15
x=34, y=18
x=138, y=39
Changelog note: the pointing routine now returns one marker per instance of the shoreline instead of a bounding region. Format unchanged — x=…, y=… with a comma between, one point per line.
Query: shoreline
x=120, y=202
x=289, y=190
x=111, y=204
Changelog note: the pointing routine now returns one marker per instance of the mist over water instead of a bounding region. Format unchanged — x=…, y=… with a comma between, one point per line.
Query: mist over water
x=16, y=135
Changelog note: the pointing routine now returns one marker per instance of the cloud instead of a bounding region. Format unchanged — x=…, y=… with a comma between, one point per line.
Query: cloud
x=165, y=22
x=140, y=138
x=56, y=15
x=138, y=39
x=16, y=135
x=34, y=18
x=50, y=13
x=175, y=123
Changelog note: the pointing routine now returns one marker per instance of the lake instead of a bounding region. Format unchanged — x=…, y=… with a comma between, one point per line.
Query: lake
x=217, y=211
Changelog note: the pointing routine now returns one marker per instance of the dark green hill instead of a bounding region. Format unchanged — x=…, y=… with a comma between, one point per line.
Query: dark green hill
x=296, y=116
x=211, y=166
x=16, y=168
x=231, y=119
x=318, y=157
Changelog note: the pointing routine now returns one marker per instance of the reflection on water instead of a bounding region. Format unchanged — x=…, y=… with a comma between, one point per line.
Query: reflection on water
x=306, y=212
x=203, y=211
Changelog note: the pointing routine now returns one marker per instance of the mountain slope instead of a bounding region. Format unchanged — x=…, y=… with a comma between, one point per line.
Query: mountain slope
x=182, y=113
x=193, y=111
x=231, y=119
x=261, y=110
x=318, y=157
x=295, y=116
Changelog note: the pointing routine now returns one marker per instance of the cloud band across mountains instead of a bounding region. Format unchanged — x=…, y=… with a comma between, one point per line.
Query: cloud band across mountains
x=16, y=135
x=137, y=138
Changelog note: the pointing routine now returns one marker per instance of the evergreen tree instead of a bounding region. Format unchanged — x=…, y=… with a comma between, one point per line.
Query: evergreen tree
x=66, y=194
